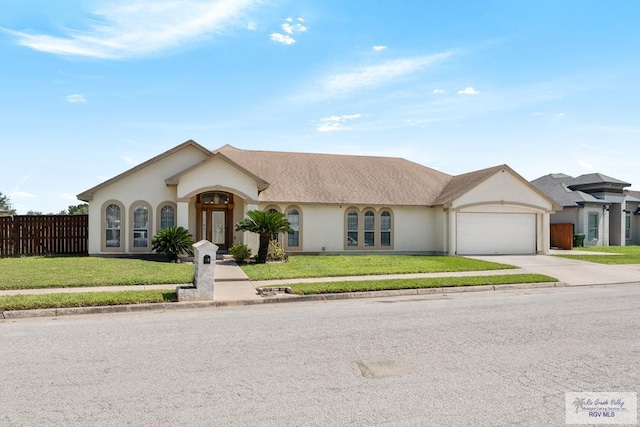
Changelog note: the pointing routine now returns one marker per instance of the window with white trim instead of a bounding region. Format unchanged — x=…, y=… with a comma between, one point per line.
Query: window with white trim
x=369, y=228
x=385, y=228
x=592, y=233
x=352, y=228
x=113, y=215
x=140, y=226
x=627, y=226
x=167, y=217
x=293, y=238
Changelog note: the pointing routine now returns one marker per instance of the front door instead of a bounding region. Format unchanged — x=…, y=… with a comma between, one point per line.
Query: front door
x=215, y=218
x=215, y=228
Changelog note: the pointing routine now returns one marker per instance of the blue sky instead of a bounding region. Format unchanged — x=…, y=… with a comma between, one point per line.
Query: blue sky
x=91, y=88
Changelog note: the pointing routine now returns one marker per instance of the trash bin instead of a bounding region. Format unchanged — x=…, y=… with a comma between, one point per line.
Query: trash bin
x=578, y=240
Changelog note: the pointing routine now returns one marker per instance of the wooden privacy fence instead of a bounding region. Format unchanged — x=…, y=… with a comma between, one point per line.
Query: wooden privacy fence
x=43, y=235
x=562, y=236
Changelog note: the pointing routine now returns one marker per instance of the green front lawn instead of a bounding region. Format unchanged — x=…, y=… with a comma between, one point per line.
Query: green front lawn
x=62, y=272
x=84, y=299
x=304, y=266
x=619, y=254
x=432, y=282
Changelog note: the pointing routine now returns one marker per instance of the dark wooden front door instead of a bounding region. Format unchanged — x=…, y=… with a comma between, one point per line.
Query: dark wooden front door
x=215, y=219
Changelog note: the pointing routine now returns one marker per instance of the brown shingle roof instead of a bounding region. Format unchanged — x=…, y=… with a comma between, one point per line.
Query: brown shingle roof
x=330, y=178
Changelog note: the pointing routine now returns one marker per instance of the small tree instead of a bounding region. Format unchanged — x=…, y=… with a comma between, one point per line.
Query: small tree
x=173, y=242
x=82, y=208
x=5, y=204
x=265, y=224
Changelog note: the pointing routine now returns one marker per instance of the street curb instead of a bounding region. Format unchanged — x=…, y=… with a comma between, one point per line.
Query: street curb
x=137, y=308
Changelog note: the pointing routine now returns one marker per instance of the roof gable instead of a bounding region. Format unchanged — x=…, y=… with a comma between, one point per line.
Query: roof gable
x=462, y=185
x=175, y=179
x=88, y=194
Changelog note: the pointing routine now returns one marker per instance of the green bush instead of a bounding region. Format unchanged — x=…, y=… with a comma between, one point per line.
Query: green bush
x=240, y=252
x=173, y=242
x=275, y=251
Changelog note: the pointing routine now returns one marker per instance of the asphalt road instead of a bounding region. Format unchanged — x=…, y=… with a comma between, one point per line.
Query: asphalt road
x=484, y=359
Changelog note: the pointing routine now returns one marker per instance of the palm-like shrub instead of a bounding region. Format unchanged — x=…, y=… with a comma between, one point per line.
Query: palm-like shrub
x=173, y=242
x=265, y=224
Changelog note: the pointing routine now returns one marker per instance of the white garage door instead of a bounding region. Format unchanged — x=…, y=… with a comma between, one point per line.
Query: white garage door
x=491, y=233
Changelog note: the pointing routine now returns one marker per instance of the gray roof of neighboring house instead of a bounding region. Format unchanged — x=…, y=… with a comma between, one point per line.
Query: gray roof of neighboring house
x=555, y=186
x=632, y=195
x=595, y=178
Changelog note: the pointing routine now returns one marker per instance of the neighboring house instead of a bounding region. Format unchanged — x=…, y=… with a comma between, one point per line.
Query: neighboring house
x=598, y=206
x=335, y=203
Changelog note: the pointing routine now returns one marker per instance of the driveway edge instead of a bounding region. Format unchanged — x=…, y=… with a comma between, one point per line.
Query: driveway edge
x=137, y=308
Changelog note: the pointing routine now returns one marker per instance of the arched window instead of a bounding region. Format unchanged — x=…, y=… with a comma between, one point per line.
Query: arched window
x=385, y=228
x=369, y=228
x=167, y=217
x=293, y=239
x=113, y=226
x=352, y=228
x=140, y=226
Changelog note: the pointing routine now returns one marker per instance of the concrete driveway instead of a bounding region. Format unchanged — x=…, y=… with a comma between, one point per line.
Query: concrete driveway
x=570, y=271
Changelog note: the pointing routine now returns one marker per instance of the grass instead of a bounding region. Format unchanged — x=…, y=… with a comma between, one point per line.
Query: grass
x=63, y=272
x=439, y=282
x=301, y=266
x=619, y=254
x=84, y=299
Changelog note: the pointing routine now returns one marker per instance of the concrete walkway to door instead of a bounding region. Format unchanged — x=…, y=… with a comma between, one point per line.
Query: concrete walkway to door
x=231, y=283
x=570, y=271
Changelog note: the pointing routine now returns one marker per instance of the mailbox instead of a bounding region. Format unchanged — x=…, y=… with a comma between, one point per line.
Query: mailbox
x=207, y=259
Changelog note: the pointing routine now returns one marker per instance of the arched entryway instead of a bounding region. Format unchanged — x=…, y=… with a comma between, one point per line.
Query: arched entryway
x=215, y=218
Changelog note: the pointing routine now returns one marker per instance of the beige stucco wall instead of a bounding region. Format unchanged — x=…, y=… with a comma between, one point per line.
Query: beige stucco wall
x=414, y=229
x=504, y=186
x=147, y=184
x=217, y=174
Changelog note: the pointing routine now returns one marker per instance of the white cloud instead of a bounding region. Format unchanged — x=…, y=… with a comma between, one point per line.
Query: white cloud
x=287, y=28
x=468, y=91
x=290, y=30
x=378, y=48
x=124, y=29
x=560, y=116
x=438, y=91
x=282, y=38
x=375, y=75
x=76, y=99
x=252, y=26
x=334, y=123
